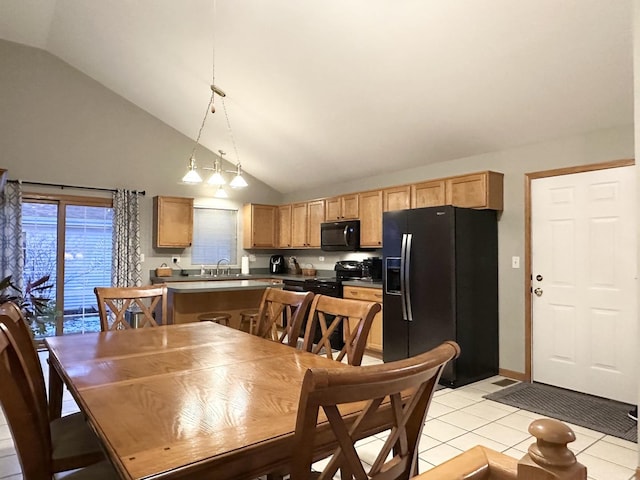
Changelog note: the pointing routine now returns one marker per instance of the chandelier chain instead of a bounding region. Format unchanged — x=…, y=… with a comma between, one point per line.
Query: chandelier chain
x=233, y=139
x=204, y=120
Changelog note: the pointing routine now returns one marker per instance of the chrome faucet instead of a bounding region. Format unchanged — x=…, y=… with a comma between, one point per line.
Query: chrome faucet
x=218, y=266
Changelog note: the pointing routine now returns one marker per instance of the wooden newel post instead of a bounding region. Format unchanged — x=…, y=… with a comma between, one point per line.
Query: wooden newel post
x=549, y=458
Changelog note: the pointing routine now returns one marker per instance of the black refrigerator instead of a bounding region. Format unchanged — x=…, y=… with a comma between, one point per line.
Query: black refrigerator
x=440, y=282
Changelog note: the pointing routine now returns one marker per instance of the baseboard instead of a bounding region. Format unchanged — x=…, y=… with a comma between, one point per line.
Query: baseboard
x=511, y=374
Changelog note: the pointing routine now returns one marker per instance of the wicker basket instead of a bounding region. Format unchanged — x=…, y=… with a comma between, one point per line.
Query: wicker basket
x=163, y=271
x=309, y=272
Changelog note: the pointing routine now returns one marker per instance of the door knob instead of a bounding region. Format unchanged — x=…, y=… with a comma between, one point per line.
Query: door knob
x=538, y=292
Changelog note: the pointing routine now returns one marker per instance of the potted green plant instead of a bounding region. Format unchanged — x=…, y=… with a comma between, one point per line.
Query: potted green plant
x=34, y=301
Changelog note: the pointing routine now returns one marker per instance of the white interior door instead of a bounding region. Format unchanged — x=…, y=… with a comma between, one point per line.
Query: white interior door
x=584, y=307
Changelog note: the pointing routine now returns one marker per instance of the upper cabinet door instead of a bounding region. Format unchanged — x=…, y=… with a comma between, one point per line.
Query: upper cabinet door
x=284, y=226
x=428, y=194
x=305, y=224
x=315, y=218
x=299, y=225
x=259, y=226
x=477, y=190
x=396, y=198
x=371, y=219
x=342, y=208
x=173, y=222
x=333, y=208
x=350, y=206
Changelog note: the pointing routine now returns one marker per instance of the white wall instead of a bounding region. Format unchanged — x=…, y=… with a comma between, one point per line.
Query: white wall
x=58, y=125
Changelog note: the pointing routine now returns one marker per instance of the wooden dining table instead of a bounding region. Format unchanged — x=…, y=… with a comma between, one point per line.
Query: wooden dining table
x=197, y=400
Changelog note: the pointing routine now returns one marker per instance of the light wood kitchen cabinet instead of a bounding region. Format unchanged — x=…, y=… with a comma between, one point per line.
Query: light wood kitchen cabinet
x=316, y=217
x=428, y=194
x=371, y=218
x=374, y=339
x=284, y=226
x=477, y=190
x=396, y=198
x=305, y=224
x=344, y=207
x=259, y=226
x=172, y=222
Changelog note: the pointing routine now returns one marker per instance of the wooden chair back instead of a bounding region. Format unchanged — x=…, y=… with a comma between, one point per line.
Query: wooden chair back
x=279, y=304
x=354, y=317
x=21, y=341
x=67, y=443
x=32, y=446
x=401, y=390
x=148, y=303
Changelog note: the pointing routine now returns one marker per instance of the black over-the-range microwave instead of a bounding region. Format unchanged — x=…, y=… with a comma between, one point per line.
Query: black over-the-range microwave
x=340, y=236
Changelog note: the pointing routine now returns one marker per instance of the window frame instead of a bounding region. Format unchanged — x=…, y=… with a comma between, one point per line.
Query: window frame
x=62, y=201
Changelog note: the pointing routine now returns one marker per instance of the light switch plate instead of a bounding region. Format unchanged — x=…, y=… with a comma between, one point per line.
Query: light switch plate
x=515, y=262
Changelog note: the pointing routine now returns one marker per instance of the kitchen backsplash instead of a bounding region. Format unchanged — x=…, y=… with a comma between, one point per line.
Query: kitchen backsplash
x=317, y=259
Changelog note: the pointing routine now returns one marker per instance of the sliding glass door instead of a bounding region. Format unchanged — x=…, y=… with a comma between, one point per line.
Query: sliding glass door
x=69, y=239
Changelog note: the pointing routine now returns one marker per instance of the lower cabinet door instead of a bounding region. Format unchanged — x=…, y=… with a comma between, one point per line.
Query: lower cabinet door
x=374, y=339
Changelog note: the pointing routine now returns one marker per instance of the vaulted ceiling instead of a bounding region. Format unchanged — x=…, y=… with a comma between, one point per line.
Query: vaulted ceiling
x=330, y=90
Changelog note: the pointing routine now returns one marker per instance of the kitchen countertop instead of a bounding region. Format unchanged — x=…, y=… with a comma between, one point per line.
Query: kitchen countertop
x=363, y=283
x=219, y=286
x=233, y=276
x=226, y=282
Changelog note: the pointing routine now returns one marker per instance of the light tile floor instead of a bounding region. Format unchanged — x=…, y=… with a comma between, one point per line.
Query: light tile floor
x=458, y=419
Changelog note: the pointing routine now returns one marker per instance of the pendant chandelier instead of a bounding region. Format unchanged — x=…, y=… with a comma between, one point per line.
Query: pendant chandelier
x=217, y=177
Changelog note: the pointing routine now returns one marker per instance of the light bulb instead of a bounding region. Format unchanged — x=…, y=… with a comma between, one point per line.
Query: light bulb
x=216, y=179
x=192, y=175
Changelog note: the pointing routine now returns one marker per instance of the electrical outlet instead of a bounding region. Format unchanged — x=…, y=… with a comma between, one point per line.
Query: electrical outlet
x=175, y=260
x=321, y=259
x=252, y=257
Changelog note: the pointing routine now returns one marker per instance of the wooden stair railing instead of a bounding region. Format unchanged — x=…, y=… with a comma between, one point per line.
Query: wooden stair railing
x=548, y=459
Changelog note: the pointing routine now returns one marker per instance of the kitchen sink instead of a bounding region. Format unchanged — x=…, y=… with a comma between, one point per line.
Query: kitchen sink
x=221, y=277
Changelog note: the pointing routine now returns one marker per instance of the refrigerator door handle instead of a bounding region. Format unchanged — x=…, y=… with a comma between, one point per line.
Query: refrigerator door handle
x=407, y=279
x=402, y=283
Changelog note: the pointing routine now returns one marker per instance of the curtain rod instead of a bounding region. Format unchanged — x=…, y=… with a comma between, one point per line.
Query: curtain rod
x=62, y=186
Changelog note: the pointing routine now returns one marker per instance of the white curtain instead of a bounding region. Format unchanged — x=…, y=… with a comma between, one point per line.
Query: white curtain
x=12, y=254
x=126, y=270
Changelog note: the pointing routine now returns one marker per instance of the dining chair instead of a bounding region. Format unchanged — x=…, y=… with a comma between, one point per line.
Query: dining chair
x=73, y=443
x=400, y=391
x=66, y=448
x=327, y=315
x=287, y=305
x=131, y=307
